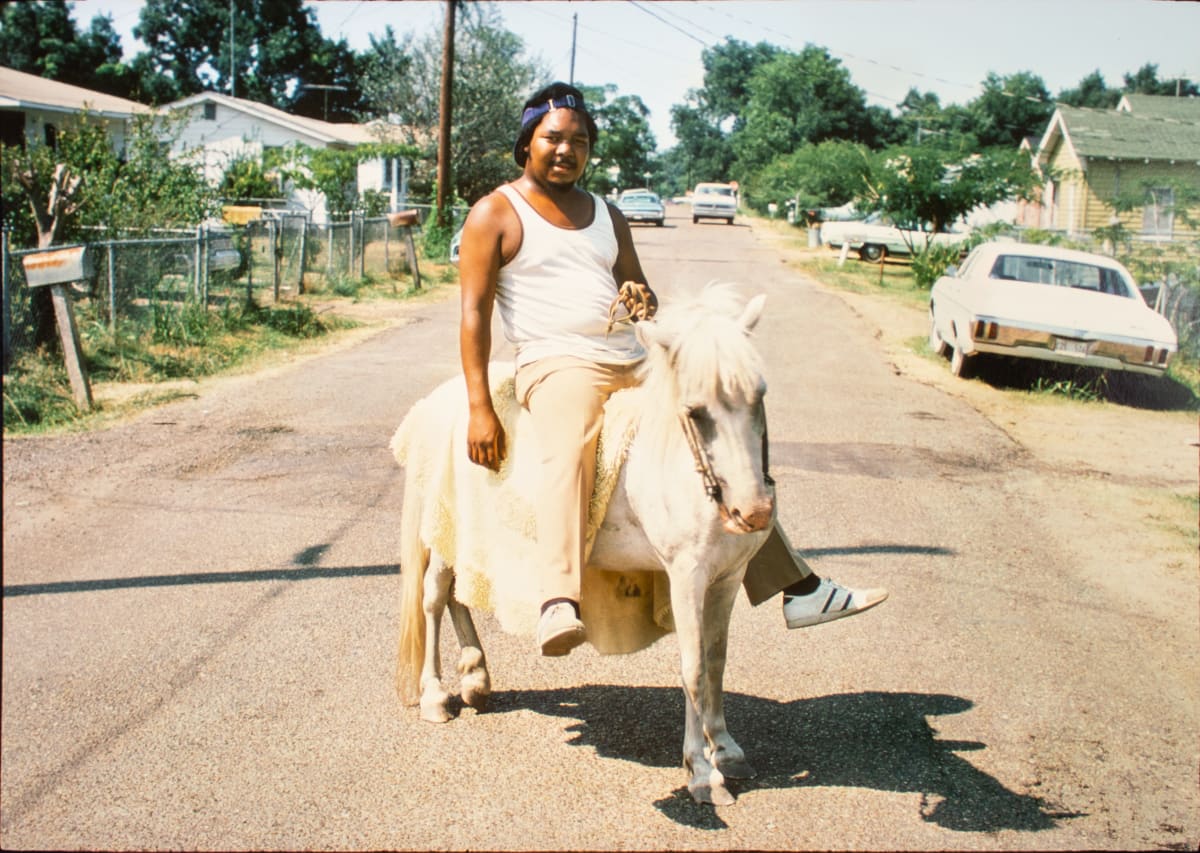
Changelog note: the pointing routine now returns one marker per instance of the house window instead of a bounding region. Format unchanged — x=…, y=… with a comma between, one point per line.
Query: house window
x=210, y=112
x=1158, y=216
x=386, y=183
x=51, y=135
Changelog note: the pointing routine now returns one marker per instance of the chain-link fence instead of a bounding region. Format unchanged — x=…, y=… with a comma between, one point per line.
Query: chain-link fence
x=265, y=260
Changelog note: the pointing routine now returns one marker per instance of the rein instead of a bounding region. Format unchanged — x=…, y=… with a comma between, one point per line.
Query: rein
x=712, y=486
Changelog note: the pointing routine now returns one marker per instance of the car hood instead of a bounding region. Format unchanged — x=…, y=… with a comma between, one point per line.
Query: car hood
x=1044, y=305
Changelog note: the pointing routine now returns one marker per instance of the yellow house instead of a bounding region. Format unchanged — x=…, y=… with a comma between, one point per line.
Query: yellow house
x=1147, y=151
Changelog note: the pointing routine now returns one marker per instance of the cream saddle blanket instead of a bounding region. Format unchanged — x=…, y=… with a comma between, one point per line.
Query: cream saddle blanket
x=483, y=522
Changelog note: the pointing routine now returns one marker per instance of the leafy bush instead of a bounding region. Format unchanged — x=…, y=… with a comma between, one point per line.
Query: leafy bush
x=930, y=263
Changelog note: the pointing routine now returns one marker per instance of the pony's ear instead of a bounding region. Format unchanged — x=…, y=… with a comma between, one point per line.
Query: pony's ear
x=753, y=312
x=650, y=335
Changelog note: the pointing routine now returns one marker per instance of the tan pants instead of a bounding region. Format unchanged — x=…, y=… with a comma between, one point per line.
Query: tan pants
x=566, y=397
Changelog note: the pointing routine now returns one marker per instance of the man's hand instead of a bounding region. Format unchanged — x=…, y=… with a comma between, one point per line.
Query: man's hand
x=485, y=438
x=637, y=299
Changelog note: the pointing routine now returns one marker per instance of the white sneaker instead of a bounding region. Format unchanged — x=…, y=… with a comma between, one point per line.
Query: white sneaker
x=827, y=602
x=559, y=630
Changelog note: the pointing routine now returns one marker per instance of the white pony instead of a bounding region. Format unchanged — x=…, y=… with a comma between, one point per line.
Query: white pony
x=692, y=500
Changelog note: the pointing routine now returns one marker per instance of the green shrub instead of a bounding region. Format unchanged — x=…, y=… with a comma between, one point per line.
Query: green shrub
x=929, y=264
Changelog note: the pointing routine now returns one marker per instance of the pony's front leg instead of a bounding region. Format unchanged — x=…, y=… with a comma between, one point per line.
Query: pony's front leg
x=435, y=701
x=475, y=684
x=724, y=753
x=706, y=744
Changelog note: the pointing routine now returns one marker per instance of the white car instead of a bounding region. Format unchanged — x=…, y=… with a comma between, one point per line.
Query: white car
x=714, y=201
x=876, y=237
x=1047, y=303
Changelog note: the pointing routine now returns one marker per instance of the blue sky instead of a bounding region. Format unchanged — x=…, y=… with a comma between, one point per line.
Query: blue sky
x=652, y=49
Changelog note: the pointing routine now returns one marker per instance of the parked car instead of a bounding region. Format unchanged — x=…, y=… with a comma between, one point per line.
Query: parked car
x=1047, y=303
x=714, y=201
x=642, y=206
x=877, y=236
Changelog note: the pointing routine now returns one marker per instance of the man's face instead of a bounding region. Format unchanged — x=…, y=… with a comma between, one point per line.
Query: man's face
x=559, y=149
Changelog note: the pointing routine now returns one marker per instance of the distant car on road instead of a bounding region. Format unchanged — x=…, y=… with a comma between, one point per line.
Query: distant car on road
x=876, y=237
x=714, y=201
x=642, y=206
x=1047, y=303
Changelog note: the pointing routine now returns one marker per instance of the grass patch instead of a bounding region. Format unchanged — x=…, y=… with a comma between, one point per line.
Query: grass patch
x=163, y=342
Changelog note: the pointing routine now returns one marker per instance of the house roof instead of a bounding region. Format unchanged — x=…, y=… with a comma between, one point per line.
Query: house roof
x=19, y=90
x=1161, y=106
x=1113, y=135
x=327, y=132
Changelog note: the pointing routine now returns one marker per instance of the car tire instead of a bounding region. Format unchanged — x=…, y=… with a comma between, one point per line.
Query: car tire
x=936, y=343
x=960, y=366
x=873, y=252
x=659, y=223
x=695, y=219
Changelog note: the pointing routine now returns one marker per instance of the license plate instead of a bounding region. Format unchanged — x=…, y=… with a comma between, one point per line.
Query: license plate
x=1071, y=347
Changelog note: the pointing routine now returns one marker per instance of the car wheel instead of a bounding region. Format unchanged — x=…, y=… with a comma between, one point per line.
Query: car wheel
x=729, y=221
x=872, y=252
x=936, y=343
x=695, y=219
x=959, y=365
x=659, y=223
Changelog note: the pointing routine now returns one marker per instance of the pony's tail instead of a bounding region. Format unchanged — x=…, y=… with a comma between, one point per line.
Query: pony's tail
x=414, y=560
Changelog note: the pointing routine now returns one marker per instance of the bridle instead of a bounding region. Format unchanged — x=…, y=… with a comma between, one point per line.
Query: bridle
x=704, y=467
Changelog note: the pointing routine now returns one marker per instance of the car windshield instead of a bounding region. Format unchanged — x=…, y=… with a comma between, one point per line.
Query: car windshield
x=640, y=198
x=715, y=191
x=1062, y=273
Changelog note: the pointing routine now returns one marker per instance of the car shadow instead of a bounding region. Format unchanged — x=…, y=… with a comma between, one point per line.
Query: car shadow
x=1155, y=393
x=874, y=740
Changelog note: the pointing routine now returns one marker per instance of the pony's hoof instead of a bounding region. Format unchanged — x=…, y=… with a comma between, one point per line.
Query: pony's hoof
x=736, y=768
x=710, y=794
x=477, y=695
x=435, y=709
x=711, y=790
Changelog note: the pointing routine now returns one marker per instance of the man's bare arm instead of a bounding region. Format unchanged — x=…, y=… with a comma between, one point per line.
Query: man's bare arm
x=480, y=257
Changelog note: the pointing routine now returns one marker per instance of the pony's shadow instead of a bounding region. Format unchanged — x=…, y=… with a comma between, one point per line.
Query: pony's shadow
x=881, y=741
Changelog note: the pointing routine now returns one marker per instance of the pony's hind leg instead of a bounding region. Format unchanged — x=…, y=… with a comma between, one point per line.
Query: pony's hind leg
x=476, y=684
x=435, y=702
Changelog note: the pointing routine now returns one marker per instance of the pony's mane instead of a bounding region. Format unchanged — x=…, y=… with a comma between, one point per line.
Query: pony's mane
x=708, y=354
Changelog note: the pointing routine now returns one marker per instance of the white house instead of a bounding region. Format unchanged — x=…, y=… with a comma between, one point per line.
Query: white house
x=33, y=109
x=218, y=129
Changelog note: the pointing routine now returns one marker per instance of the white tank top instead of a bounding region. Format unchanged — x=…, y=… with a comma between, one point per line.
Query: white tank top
x=555, y=294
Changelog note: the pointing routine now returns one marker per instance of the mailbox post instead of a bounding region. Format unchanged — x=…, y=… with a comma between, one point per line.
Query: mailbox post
x=406, y=219
x=55, y=268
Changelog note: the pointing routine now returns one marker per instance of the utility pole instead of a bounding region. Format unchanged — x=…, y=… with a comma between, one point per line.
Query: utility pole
x=232, y=56
x=443, y=170
x=574, y=28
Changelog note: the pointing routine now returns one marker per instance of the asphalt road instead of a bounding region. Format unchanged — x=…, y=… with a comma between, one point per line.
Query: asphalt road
x=200, y=610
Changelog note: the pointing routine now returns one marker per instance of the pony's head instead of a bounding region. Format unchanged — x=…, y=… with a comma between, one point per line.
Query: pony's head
x=702, y=364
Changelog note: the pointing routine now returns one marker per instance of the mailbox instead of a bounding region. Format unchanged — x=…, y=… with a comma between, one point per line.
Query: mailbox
x=57, y=266
x=403, y=217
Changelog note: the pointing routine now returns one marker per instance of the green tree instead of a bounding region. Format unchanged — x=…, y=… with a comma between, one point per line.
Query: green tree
x=1145, y=81
x=923, y=185
x=704, y=121
x=493, y=76
x=333, y=171
x=796, y=99
x=1010, y=109
x=43, y=39
x=827, y=174
x=277, y=50
x=625, y=139
x=1092, y=92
